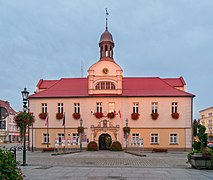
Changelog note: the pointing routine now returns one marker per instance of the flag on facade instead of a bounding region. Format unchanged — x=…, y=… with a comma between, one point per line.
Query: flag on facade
x=46, y=120
x=119, y=113
x=63, y=122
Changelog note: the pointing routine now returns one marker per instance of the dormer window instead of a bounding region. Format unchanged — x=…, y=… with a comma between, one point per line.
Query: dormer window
x=105, y=85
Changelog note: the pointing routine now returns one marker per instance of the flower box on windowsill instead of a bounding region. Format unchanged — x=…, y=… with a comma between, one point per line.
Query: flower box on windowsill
x=98, y=115
x=59, y=116
x=42, y=115
x=111, y=115
x=135, y=116
x=76, y=115
x=175, y=115
x=154, y=115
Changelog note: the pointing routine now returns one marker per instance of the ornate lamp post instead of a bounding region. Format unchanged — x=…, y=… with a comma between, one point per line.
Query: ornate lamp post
x=126, y=135
x=25, y=94
x=81, y=123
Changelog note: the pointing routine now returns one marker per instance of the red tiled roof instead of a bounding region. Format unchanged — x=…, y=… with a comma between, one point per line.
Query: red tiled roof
x=7, y=106
x=44, y=84
x=176, y=82
x=78, y=87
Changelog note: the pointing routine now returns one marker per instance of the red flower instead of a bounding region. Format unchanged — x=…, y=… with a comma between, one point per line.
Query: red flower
x=76, y=115
x=111, y=115
x=59, y=116
x=135, y=116
x=154, y=115
x=175, y=115
x=98, y=115
x=42, y=115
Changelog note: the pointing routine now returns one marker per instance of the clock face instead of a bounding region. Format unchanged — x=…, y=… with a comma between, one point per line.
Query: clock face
x=105, y=70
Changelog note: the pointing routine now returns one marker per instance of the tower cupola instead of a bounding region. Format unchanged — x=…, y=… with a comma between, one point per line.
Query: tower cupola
x=106, y=43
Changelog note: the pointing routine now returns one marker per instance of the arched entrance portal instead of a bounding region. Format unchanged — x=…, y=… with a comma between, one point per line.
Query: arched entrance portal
x=104, y=141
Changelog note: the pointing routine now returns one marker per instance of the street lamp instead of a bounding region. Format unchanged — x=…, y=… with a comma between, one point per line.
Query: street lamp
x=25, y=94
x=126, y=135
x=81, y=123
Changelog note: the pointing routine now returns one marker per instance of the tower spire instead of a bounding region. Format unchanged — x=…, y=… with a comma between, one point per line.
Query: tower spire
x=106, y=18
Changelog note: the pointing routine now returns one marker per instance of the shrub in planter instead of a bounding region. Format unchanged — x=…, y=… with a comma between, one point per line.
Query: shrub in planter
x=92, y=146
x=80, y=130
x=111, y=115
x=42, y=115
x=126, y=130
x=116, y=146
x=59, y=116
x=48, y=149
x=8, y=166
x=98, y=115
x=135, y=116
x=76, y=115
x=154, y=115
x=175, y=115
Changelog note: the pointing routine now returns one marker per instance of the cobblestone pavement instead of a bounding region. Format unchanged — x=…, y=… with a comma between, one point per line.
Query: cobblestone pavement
x=106, y=165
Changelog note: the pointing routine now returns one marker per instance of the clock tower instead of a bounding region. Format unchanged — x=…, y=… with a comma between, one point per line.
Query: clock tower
x=105, y=76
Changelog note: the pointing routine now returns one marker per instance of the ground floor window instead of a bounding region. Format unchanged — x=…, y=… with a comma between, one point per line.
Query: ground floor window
x=154, y=138
x=75, y=138
x=173, y=138
x=60, y=136
x=46, y=138
x=135, y=139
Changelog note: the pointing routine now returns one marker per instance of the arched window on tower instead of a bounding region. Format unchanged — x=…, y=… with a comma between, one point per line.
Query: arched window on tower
x=106, y=51
x=110, y=53
x=105, y=85
x=102, y=53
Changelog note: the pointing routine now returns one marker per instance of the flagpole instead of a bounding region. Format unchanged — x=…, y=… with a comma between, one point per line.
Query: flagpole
x=47, y=132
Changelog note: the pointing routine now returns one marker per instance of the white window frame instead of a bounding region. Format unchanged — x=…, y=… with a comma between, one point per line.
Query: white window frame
x=174, y=107
x=153, y=136
x=135, y=107
x=60, y=108
x=76, y=107
x=46, y=138
x=154, y=107
x=75, y=135
x=99, y=107
x=60, y=136
x=172, y=138
x=44, y=107
x=111, y=106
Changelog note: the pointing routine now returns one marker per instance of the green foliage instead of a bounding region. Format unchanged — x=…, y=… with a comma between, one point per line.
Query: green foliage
x=9, y=169
x=116, y=146
x=23, y=120
x=203, y=138
x=92, y=146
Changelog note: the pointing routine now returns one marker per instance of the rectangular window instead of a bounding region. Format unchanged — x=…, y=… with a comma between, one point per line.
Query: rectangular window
x=154, y=138
x=154, y=107
x=99, y=107
x=60, y=136
x=60, y=108
x=174, y=107
x=135, y=137
x=202, y=116
x=135, y=107
x=210, y=114
x=77, y=107
x=111, y=107
x=46, y=138
x=173, y=138
x=44, y=107
x=75, y=138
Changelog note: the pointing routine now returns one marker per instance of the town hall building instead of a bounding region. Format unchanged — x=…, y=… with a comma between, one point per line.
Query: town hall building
x=157, y=110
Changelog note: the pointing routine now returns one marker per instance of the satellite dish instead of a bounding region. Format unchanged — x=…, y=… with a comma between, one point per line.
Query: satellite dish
x=3, y=113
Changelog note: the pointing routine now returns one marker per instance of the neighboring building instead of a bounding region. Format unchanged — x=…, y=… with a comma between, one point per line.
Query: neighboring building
x=8, y=127
x=206, y=119
x=105, y=90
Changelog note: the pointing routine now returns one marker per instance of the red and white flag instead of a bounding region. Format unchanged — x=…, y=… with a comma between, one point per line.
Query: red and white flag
x=46, y=120
x=119, y=113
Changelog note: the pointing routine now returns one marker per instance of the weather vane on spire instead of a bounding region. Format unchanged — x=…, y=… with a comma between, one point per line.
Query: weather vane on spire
x=106, y=18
